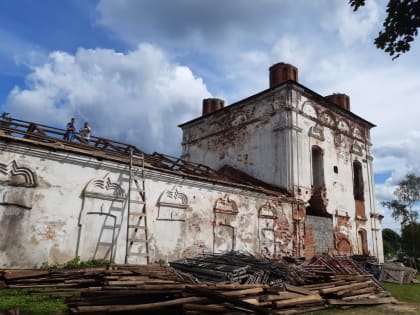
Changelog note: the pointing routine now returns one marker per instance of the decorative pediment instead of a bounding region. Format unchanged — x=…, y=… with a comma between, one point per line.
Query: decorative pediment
x=357, y=148
x=357, y=133
x=173, y=198
x=225, y=205
x=309, y=109
x=15, y=175
x=17, y=185
x=267, y=211
x=343, y=126
x=104, y=188
x=317, y=132
x=328, y=119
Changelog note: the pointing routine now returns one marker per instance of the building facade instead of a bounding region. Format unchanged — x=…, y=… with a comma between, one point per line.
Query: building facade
x=312, y=146
x=283, y=172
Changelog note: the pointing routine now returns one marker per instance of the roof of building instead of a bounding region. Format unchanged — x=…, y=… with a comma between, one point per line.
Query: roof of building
x=312, y=94
x=41, y=135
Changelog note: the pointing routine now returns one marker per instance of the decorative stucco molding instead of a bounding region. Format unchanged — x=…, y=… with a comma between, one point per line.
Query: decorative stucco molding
x=317, y=132
x=309, y=109
x=267, y=211
x=172, y=205
x=328, y=119
x=173, y=198
x=104, y=188
x=17, y=185
x=225, y=205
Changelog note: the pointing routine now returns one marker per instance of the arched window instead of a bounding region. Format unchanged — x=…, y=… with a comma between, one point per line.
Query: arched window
x=362, y=242
x=358, y=188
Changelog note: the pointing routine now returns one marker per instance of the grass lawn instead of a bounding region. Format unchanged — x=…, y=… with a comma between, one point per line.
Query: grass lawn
x=30, y=304
x=408, y=296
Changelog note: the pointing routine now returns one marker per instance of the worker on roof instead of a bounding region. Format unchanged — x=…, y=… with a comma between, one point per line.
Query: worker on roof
x=85, y=132
x=70, y=130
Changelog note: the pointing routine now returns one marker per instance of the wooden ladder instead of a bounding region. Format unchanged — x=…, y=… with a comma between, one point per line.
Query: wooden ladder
x=137, y=243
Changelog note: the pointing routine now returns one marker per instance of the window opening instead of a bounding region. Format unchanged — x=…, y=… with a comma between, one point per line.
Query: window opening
x=358, y=188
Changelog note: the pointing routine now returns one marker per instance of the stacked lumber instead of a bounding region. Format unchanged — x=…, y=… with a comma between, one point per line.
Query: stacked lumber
x=146, y=289
x=238, y=267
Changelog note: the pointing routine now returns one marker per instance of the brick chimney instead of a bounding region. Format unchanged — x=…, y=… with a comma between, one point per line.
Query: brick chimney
x=340, y=99
x=211, y=105
x=282, y=72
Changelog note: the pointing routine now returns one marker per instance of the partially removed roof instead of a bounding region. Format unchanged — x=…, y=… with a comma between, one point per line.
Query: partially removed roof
x=101, y=148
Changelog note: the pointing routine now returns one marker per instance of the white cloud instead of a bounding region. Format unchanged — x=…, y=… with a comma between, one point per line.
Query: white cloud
x=16, y=50
x=137, y=97
x=351, y=26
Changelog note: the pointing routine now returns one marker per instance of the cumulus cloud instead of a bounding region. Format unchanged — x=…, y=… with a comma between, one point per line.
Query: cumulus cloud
x=352, y=26
x=193, y=24
x=137, y=97
x=16, y=50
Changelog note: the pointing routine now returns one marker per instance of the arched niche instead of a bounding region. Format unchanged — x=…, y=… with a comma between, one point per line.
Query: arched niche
x=224, y=228
x=267, y=214
x=172, y=205
x=170, y=225
x=101, y=217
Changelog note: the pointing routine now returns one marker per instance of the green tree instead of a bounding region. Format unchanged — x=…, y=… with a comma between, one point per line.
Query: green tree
x=410, y=239
x=407, y=197
x=404, y=208
x=400, y=25
x=392, y=243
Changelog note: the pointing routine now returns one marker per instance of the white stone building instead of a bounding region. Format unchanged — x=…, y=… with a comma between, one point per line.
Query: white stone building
x=288, y=172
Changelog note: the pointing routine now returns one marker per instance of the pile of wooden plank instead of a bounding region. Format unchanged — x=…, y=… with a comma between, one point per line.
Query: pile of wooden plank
x=238, y=267
x=128, y=289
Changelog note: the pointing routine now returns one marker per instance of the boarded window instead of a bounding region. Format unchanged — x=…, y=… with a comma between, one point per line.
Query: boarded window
x=358, y=188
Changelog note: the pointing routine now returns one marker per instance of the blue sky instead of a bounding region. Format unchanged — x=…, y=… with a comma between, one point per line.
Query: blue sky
x=136, y=69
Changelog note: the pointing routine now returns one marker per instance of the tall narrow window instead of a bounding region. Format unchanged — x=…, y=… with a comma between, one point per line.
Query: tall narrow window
x=358, y=188
x=317, y=167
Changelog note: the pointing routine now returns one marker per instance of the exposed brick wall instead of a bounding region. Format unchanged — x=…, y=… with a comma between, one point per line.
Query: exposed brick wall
x=309, y=242
x=360, y=209
x=341, y=236
x=319, y=235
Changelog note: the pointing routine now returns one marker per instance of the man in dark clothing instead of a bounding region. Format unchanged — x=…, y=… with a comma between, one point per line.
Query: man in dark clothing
x=70, y=130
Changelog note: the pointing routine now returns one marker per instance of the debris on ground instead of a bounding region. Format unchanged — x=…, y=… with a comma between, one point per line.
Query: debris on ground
x=397, y=273
x=226, y=283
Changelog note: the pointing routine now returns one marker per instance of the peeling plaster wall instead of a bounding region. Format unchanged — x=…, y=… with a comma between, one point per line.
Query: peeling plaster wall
x=343, y=140
x=238, y=137
x=271, y=136
x=185, y=217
